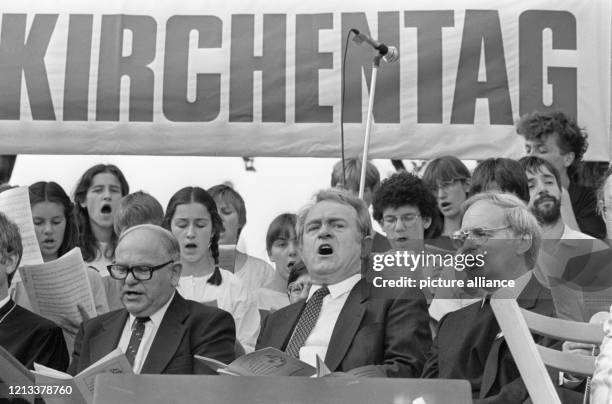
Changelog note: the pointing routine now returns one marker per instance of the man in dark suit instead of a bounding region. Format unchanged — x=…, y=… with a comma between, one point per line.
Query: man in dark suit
x=469, y=344
x=158, y=330
x=25, y=335
x=341, y=321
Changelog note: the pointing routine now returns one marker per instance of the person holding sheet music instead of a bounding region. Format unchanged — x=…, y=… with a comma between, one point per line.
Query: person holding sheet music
x=158, y=330
x=255, y=273
x=96, y=196
x=53, y=214
x=27, y=336
x=342, y=322
x=193, y=218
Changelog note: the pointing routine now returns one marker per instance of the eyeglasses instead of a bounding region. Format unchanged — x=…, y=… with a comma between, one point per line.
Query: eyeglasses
x=296, y=288
x=479, y=235
x=139, y=272
x=408, y=219
x=444, y=185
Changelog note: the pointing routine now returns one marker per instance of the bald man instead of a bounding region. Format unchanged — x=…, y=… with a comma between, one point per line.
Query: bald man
x=158, y=330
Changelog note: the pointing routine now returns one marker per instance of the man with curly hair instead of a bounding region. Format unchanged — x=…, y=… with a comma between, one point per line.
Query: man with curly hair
x=557, y=138
x=408, y=214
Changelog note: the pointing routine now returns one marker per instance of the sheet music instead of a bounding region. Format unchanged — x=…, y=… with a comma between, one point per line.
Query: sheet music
x=56, y=288
x=15, y=204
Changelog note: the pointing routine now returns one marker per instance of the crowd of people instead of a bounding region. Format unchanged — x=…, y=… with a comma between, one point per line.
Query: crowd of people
x=164, y=293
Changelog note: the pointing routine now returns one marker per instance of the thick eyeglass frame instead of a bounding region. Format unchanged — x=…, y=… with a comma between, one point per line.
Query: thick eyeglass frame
x=460, y=236
x=131, y=269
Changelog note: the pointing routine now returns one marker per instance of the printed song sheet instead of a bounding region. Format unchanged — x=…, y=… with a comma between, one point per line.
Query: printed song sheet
x=15, y=204
x=57, y=287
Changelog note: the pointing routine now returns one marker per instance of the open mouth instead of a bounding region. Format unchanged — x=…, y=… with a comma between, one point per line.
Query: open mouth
x=48, y=241
x=325, y=249
x=106, y=209
x=445, y=205
x=191, y=245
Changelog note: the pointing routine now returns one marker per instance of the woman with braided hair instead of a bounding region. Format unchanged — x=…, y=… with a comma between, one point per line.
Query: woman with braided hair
x=193, y=218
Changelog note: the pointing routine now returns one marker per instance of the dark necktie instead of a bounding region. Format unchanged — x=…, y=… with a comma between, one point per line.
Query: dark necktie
x=307, y=321
x=138, y=328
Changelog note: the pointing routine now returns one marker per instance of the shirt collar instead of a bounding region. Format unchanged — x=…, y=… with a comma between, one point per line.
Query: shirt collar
x=338, y=289
x=158, y=316
x=4, y=301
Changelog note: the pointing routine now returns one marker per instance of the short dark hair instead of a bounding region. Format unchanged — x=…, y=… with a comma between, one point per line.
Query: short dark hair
x=533, y=164
x=282, y=227
x=52, y=192
x=538, y=126
x=507, y=173
x=402, y=189
x=231, y=197
x=352, y=167
x=137, y=208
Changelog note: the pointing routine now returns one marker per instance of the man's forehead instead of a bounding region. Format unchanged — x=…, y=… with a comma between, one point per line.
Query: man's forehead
x=550, y=138
x=140, y=244
x=484, y=214
x=326, y=210
x=401, y=210
x=541, y=171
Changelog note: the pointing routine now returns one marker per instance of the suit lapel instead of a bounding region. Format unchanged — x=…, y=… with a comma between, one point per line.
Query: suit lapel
x=347, y=325
x=109, y=336
x=168, y=336
x=284, y=325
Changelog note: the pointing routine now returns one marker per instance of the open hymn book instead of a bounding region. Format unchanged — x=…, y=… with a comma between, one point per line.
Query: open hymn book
x=83, y=383
x=266, y=362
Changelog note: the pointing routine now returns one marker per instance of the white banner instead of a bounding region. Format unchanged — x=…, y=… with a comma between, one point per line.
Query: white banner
x=263, y=78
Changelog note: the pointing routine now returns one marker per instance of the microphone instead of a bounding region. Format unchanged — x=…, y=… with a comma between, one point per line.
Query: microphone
x=389, y=53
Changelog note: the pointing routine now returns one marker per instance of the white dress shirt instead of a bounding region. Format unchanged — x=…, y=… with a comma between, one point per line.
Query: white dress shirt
x=318, y=340
x=151, y=328
x=232, y=296
x=4, y=301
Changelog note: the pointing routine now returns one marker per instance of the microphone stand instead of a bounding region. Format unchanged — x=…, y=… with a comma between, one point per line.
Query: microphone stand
x=366, y=140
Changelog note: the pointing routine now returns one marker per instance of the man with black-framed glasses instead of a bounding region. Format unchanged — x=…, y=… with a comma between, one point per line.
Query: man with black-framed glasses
x=157, y=329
